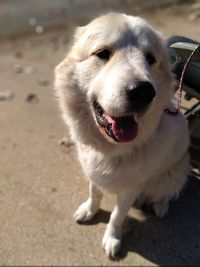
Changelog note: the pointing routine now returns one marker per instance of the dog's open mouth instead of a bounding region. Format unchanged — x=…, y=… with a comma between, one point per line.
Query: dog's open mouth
x=121, y=129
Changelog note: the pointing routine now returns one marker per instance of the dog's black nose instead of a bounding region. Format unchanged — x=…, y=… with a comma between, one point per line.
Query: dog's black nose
x=141, y=95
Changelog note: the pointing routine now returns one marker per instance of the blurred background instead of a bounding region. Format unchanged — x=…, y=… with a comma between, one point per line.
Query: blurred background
x=20, y=17
x=40, y=175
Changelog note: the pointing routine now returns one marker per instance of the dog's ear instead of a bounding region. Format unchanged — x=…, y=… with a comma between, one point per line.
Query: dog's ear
x=79, y=32
x=64, y=71
x=62, y=66
x=78, y=49
x=65, y=78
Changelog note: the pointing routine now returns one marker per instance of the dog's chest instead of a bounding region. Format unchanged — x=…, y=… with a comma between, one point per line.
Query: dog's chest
x=112, y=173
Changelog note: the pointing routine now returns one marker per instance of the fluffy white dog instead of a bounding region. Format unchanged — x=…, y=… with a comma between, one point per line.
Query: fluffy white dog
x=112, y=88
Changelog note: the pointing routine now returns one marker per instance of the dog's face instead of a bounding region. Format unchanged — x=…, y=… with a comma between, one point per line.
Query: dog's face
x=122, y=77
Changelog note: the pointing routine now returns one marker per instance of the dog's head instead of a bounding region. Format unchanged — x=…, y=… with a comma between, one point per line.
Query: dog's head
x=115, y=80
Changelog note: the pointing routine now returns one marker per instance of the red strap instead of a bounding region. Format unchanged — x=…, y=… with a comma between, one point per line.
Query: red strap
x=180, y=89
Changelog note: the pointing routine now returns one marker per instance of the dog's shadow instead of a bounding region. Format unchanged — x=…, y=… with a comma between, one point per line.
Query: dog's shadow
x=174, y=240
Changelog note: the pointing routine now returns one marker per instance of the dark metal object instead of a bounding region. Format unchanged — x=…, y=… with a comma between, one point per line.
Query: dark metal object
x=180, y=48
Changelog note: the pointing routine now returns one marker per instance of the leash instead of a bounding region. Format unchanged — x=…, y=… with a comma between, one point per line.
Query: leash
x=180, y=86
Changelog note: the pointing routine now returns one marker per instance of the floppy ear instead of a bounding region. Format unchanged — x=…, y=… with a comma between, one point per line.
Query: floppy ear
x=78, y=49
x=60, y=69
x=79, y=32
x=66, y=83
x=72, y=100
x=63, y=73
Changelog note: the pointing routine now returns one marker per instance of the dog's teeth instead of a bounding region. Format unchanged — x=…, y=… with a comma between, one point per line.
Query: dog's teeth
x=102, y=121
x=98, y=108
x=99, y=111
x=108, y=129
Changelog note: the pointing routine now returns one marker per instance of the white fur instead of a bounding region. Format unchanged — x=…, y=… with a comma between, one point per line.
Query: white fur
x=154, y=165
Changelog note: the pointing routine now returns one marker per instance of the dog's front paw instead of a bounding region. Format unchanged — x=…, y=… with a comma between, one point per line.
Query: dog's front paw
x=85, y=212
x=111, y=242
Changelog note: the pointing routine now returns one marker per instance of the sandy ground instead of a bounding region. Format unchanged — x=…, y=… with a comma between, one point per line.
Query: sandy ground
x=42, y=184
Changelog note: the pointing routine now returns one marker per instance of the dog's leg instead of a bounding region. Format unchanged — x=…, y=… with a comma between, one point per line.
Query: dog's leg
x=170, y=186
x=112, y=236
x=88, y=209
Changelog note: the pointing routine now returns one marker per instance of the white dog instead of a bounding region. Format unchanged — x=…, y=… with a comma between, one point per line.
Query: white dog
x=112, y=88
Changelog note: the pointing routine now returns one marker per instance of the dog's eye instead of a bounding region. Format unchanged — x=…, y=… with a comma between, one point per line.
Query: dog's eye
x=103, y=54
x=150, y=58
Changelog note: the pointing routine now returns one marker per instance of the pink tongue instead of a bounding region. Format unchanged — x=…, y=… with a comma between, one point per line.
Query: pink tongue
x=125, y=129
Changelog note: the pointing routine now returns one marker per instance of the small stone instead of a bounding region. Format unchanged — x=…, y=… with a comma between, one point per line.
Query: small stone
x=17, y=68
x=53, y=190
x=32, y=21
x=39, y=29
x=18, y=54
x=65, y=142
x=43, y=82
x=32, y=98
x=6, y=96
